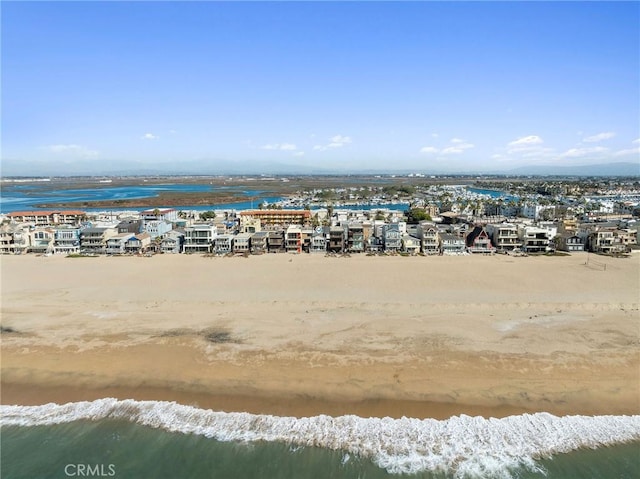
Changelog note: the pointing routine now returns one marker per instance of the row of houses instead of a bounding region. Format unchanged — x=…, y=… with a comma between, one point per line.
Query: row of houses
x=161, y=231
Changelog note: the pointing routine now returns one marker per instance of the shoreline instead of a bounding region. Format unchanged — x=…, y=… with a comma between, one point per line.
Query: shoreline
x=297, y=406
x=302, y=335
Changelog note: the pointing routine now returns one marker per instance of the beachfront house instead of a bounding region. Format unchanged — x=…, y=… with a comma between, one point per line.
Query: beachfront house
x=94, y=240
x=410, y=244
x=66, y=240
x=451, y=244
x=258, y=242
x=116, y=244
x=355, y=237
x=429, y=236
x=570, y=242
x=7, y=242
x=242, y=243
x=21, y=239
x=392, y=237
x=478, y=241
x=306, y=233
x=172, y=242
x=293, y=242
x=41, y=240
x=336, y=239
x=223, y=244
x=138, y=243
x=275, y=241
x=534, y=239
x=504, y=236
x=199, y=238
x=610, y=240
x=318, y=241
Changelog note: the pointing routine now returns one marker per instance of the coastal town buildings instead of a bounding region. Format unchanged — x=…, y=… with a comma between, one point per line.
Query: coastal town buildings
x=48, y=218
x=159, y=214
x=277, y=217
x=459, y=224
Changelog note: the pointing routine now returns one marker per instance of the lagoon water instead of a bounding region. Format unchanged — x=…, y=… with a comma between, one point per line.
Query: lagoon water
x=164, y=440
x=26, y=197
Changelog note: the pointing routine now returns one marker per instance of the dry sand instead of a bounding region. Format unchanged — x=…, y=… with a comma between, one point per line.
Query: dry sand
x=304, y=334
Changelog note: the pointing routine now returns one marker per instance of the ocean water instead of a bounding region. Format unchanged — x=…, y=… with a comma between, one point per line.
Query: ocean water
x=139, y=439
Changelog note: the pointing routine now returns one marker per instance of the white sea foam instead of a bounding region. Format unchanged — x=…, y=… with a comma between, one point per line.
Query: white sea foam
x=463, y=446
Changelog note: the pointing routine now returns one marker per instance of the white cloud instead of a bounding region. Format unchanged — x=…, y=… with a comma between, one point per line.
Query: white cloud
x=429, y=150
x=279, y=146
x=599, y=137
x=149, y=136
x=636, y=141
x=629, y=152
x=582, y=152
x=337, y=141
x=77, y=151
x=298, y=153
x=173, y=132
x=434, y=135
x=459, y=146
x=526, y=141
x=455, y=150
x=525, y=144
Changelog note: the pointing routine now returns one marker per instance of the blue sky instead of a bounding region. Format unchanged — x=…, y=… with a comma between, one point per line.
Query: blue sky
x=437, y=85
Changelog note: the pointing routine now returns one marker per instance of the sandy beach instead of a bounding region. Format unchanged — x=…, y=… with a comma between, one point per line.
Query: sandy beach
x=305, y=335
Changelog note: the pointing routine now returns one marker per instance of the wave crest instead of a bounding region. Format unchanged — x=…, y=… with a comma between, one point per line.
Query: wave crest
x=462, y=445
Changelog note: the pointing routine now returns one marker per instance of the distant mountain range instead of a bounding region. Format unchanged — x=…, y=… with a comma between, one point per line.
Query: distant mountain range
x=609, y=169
x=220, y=167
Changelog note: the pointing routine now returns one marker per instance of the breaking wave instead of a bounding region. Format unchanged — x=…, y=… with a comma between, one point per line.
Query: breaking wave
x=462, y=446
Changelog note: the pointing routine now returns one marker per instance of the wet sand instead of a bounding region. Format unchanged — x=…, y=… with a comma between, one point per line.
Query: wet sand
x=305, y=335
